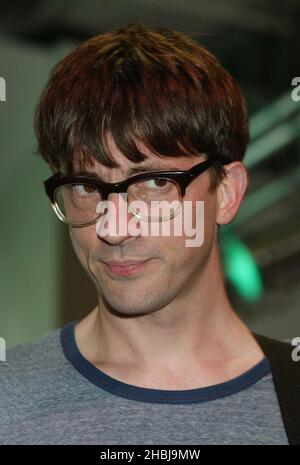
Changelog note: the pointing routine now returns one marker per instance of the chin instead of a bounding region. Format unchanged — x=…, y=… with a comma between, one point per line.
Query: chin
x=133, y=311
x=132, y=305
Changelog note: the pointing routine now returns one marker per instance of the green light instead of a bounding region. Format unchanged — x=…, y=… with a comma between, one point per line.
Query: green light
x=241, y=269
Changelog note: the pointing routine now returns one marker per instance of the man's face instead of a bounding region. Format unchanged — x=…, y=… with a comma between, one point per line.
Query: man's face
x=172, y=268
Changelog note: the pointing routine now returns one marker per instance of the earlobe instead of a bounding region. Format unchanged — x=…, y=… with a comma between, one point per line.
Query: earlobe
x=230, y=192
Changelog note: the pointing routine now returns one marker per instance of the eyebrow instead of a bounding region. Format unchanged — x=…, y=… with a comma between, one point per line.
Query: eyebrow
x=132, y=171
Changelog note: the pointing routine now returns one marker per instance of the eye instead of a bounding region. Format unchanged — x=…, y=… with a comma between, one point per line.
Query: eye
x=156, y=183
x=83, y=190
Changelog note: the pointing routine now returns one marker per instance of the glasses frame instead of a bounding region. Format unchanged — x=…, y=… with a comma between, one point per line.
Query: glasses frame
x=181, y=177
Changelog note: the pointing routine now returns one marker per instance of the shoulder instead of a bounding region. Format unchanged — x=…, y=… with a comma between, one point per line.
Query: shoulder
x=32, y=352
x=33, y=382
x=284, y=355
x=31, y=362
x=268, y=343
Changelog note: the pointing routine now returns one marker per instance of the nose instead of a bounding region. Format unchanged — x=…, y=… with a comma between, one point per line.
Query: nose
x=112, y=226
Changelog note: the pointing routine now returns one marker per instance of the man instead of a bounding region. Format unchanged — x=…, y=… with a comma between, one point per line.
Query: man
x=163, y=357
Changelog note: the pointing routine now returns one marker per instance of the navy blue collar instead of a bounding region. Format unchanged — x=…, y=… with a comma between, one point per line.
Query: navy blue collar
x=129, y=391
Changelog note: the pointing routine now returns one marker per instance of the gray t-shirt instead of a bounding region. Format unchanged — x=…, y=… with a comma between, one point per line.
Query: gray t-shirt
x=50, y=394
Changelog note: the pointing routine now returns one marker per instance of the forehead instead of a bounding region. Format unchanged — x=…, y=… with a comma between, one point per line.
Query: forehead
x=125, y=168
x=129, y=169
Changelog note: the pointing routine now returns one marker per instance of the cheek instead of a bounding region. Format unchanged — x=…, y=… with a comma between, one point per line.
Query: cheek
x=209, y=218
x=82, y=241
x=192, y=248
x=204, y=204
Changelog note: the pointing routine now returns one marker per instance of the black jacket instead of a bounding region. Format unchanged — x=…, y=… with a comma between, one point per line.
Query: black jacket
x=286, y=376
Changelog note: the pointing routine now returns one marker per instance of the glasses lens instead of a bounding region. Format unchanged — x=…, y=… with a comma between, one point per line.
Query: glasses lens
x=77, y=203
x=160, y=198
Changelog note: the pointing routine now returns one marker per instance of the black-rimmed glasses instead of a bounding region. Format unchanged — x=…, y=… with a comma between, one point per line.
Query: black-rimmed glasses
x=75, y=199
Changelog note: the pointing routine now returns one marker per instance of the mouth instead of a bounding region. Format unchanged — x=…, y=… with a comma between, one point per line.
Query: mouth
x=126, y=268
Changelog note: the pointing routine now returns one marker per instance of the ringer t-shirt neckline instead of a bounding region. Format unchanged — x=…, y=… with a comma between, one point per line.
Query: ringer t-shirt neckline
x=137, y=393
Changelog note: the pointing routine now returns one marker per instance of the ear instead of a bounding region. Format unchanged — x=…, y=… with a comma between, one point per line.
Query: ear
x=230, y=192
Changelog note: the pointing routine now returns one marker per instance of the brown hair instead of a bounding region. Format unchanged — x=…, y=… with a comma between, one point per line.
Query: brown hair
x=153, y=85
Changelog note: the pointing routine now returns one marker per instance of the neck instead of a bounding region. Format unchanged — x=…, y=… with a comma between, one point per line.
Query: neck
x=198, y=328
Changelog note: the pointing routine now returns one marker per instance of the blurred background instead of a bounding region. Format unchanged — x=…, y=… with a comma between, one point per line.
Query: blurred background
x=42, y=284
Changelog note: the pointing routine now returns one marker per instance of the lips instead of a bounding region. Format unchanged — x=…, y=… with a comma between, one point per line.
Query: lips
x=125, y=268
x=124, y=263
